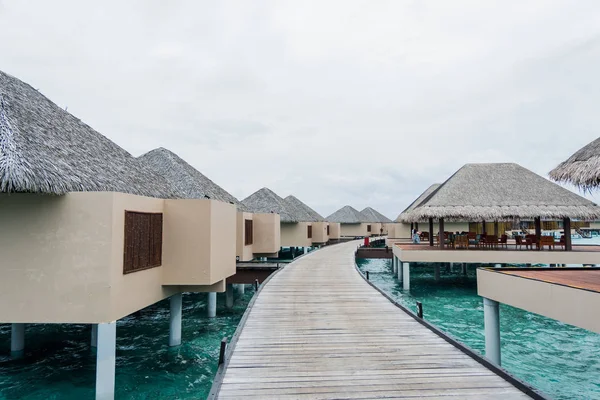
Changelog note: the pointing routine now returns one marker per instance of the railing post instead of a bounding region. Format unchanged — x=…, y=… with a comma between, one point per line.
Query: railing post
x=367, y=275
x=419, y=309
x=256, y=284
x=222, y=351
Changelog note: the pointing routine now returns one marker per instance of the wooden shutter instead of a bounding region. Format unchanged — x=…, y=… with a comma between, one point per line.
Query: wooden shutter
x=248, y=231
x=327, y=230
x=309, y=231
x=143, y=241
x=368, y=228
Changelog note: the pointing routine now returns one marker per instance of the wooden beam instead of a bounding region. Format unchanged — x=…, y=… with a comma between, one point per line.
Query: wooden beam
x=484, y=230
x=496, y=228
x=538, y=228
x=431, y=231
x=567, y=230
x=441, y=233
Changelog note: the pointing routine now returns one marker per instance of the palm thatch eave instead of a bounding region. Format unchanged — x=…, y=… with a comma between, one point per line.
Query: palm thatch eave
x=582, y=169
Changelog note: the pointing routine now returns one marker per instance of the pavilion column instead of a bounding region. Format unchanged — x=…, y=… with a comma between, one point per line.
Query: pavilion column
x=441, y=223
x=406, y=276
x=538, y=228
x=431, y=231
x=496, y=228
x=484, y=228
x=412, y=228
x=105, y=361
x=417, y=226
x=567, y=230
x=491, y=318
x=175, y=306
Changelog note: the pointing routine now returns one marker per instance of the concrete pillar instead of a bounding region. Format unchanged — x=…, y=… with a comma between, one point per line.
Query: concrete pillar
x=211, y=304
x=94, y=338
x=399, y=270
x=17, y=340
x=105, y=361
x=229, y=295
x=394, y=265
x=406, y=276
x=498, y=266
x=175, y=319
x=451, y=267
x=491, y=316
x=436, y=274
x=464, y=268
x=240, y=289
x=305, y=250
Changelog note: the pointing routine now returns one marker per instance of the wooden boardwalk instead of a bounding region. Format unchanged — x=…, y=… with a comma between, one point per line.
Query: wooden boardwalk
x=318, y=331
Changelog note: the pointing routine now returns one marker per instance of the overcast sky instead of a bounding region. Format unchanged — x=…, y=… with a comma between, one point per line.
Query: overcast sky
x=364, y=103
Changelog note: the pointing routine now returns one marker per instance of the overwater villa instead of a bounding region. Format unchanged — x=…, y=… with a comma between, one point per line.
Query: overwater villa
x=352, y=223
x=322, y=231
x=91, y=235
x=257, y=234
x=296, y=228
x=379, y=221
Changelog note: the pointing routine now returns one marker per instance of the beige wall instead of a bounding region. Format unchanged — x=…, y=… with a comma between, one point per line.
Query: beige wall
x=595, y=225
x=62, y=256
x=334, y=230
x=295, y=234
x=319, y=232
x=567, y=304
x=267, y=234
x=351, y=230
x=243, y=252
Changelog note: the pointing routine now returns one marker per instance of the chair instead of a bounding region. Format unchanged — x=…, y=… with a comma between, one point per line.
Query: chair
x=503, y=241
x=530, y=240
x=461, y=241
x=519, y=241
x=424, y=236
x=491, y=241
x=546, y=241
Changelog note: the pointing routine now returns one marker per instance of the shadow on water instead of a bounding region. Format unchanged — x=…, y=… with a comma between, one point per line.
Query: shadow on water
x=60, y=364
x=559, y=359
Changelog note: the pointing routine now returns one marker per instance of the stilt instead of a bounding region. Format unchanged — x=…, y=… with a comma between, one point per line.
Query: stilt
x=305, y=250
x=406, y=276
x=451, y=267
x=448, y=268
x=17, y=340
x=436, y=274
x=94, y=339
x=394, y=265
x=175, y=320
x=211, y=304
x=498, y=266
x=399, y=267
x=241, y=289
x=464, y=268
x=491, y=316
x=229, y=295
x=105, y=361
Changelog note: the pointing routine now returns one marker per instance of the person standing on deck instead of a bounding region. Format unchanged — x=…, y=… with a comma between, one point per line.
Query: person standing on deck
x=415, y=236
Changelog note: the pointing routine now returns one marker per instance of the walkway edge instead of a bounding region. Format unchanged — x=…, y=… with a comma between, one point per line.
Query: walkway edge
x=519, y=384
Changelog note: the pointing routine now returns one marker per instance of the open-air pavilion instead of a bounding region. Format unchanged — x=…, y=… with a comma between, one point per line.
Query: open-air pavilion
x=582, y=168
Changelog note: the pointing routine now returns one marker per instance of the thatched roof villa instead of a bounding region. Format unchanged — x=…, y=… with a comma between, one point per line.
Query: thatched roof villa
x=378, y=220
x=295, y=224
x=582, y=168
x=352, y=222
x=499, y=192
x=95, y=234
x=322, y=230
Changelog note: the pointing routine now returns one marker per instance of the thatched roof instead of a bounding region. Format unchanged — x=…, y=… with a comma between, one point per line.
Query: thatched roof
x=373, y=215
x=310, y=215
x=418, y=201
x=44, y=149
x=185, y=179
x=347, y=215
x=582, y=168
x=267, y=201
x=500, y=192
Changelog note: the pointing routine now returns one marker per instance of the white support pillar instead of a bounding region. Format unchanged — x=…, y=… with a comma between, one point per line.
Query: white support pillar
x=175, y=319
x=17, y=340
x=240, y=289
x=491, y=316
x=94, y=338
x=406, y=276
x=498, y=266
x=464, y=268
x=105, y=361
x=305, y=250
x=436, y=273
x=211, y=304
x=394, y=265
x=229, y=295
x=399, y=268
x=451, y=267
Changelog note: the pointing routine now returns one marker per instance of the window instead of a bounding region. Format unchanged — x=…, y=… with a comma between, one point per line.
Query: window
x=368, y=228
x=143, y=241
x=309, y=231
x=327, y=230
x=248, y=239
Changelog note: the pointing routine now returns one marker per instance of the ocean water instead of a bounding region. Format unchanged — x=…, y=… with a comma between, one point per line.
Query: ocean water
x=59, y=363
x=561, y=360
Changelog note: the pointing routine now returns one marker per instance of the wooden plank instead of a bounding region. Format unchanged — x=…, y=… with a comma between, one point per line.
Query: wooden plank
x=318, y=331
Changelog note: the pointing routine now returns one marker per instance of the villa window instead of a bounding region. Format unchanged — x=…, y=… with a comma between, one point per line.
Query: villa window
x=248, y=239
x=143, y=241
x=309, y=231
x=327, y=230
x=368, y=228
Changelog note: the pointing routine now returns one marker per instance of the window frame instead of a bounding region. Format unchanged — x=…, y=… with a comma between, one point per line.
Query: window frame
x=309, y=231
x=154, y=240
x=248, y=232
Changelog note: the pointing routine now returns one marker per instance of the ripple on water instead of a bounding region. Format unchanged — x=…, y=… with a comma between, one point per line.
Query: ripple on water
x=559, y=359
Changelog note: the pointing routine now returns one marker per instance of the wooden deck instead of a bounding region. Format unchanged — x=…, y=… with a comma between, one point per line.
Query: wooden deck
x=318, y=331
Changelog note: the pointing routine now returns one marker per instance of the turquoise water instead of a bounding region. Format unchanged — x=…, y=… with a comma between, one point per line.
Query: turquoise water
x=560, y=360
x=59, y=363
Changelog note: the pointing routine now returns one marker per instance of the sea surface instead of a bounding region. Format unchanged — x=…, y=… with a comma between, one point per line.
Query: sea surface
x=60, y=364
x=560, y=360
